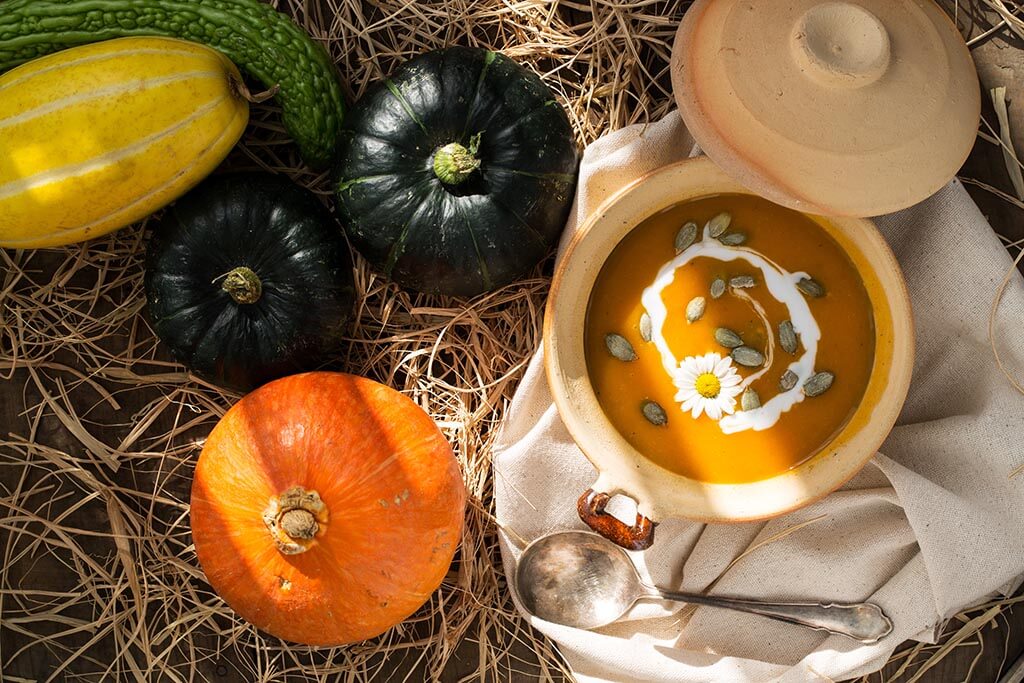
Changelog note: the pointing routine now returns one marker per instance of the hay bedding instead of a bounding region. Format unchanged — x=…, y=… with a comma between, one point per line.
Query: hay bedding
x=98, y=578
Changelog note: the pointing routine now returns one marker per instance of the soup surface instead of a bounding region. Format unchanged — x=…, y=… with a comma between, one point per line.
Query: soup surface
x=662, y=349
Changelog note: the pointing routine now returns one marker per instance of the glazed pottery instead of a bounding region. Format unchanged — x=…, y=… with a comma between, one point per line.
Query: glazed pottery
x=658, y=492
x=838, y=108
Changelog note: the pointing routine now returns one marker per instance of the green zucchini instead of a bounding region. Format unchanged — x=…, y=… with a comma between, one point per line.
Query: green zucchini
x=260, y=40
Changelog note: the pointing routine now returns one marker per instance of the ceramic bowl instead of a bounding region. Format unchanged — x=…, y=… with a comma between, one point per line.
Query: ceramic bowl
x=658, y=492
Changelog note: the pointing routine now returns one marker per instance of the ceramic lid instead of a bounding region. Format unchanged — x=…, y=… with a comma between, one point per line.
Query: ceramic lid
x=839, y=108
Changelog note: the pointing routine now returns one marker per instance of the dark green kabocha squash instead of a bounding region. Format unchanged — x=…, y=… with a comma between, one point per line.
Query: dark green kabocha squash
x=248, y=278
x=456, y=175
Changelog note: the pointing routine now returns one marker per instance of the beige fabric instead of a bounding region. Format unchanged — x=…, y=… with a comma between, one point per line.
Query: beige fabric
x=932, y=525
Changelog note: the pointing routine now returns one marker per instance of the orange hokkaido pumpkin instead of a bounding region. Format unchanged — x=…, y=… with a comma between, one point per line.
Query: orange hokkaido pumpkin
x=326, y=508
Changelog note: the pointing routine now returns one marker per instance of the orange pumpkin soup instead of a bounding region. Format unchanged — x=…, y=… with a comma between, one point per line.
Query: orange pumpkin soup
x=728, y=339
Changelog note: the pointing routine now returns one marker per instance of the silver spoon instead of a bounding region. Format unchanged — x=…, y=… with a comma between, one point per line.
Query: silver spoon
x=577, y=578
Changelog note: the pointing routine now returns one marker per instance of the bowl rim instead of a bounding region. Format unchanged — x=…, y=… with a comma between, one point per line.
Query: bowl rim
x=659, y=492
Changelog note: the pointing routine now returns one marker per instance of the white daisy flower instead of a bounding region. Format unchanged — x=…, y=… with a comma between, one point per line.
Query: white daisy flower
x=707, y=384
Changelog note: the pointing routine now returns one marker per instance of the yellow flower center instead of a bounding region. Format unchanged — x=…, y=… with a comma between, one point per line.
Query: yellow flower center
x=707, y=385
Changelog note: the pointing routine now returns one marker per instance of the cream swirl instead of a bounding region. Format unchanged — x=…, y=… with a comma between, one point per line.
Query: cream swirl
x=781, y=284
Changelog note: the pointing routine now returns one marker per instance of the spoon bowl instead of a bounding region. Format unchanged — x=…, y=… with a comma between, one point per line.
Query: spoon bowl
x=577, y=578
x=580, y=579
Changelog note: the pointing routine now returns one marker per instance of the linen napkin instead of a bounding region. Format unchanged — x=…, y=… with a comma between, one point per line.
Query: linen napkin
x=933, y=524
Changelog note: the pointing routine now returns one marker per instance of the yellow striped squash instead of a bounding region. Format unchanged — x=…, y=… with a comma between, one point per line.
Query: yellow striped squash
x=97, y=137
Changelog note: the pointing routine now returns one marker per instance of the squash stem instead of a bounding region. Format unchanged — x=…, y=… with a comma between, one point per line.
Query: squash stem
x=243, y=285
x=299, y=524
x=453, y=163
x=294, y=519
x=242, y=90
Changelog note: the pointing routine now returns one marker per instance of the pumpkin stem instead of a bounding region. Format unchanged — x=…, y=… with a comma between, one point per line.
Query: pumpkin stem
x=299, y=524
x=453, y=163
x=294, y=519
x=243, y=285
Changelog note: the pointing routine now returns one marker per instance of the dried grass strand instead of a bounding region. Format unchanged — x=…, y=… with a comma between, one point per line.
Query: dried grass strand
x=99, y=497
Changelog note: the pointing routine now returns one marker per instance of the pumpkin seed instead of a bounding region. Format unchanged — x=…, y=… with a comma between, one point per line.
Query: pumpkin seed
x=695, y=309
x=818, y=384
x=750, y=400
x=811, y=288
x=747, y=357
x=645, y=327
x=686, y=236
x=619, y=347
x=733, y=239
x=728, y=338
x=717, y=288
x=788, y=381
x=742, y=282
x=654, y=413
x=717, y=225
x=787, y=336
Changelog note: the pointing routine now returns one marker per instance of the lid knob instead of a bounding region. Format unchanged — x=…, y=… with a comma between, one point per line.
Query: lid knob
x=841, y=45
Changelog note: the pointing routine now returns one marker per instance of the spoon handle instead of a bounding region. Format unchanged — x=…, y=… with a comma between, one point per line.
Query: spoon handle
x=863, y=621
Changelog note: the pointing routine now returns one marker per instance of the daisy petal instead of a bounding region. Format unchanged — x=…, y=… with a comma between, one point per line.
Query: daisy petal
x=698, y=408
x=688, y=365
x=714, y=410
x=686, y=377
x=686, y=393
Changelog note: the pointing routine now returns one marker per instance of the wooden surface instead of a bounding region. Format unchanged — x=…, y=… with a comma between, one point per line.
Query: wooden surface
x=1003, y=639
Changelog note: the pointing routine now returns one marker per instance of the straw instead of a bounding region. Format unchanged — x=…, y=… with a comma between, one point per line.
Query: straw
x=98, y=575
